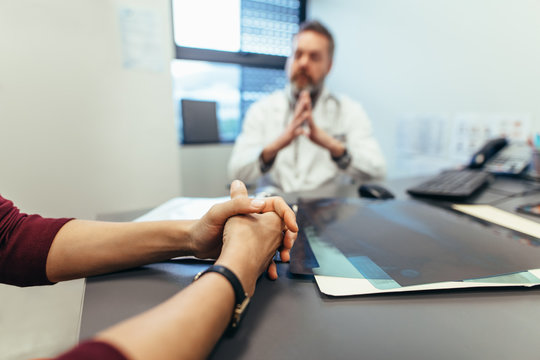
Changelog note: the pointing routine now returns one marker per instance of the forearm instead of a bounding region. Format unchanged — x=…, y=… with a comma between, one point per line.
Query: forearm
x=187, y=326
x=271, y=150
x=269, y=153
x=84, y=248
x=336, y=148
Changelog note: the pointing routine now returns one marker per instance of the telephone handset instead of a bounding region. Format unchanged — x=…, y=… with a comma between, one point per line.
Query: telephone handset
x=487, y=151
x=498, y=156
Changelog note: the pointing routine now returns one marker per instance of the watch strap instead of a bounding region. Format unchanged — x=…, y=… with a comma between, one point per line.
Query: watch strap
x=343, y=161
x=264, y=166
x=241, y=297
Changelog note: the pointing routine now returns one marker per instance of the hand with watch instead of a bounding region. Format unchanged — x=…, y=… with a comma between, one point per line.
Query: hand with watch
x=243, y=234
x=342, y=161
x=209, y=235
x=303, y=116
x=241, y=298
x=249, y=244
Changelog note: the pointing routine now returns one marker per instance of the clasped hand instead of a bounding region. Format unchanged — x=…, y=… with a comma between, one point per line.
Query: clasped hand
x=246, y=230
x=303, y=115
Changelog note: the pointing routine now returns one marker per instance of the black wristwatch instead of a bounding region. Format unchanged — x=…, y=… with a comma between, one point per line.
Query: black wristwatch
x=241, y=297
x=343, y=161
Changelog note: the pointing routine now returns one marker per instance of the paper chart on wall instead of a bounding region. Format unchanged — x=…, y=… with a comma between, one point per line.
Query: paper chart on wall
x=140, y=31
x=438, y=141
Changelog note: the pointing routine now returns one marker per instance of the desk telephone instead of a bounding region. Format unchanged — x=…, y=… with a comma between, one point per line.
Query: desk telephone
x=498, y=156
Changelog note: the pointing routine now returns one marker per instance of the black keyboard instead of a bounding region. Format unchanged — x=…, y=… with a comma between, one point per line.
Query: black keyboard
x=452, y=184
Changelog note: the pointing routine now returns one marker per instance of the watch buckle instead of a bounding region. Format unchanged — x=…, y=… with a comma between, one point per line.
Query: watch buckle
x=239, y=311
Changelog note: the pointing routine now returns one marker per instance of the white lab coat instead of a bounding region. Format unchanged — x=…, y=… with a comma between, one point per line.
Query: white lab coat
x=304, y=165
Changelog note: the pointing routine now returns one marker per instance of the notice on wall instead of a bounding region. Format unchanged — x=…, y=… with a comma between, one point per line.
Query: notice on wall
x=436, y=142
x=141, y=41
x=471, y=130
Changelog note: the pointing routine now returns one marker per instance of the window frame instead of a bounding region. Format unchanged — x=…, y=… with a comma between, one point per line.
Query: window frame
x=240, y=58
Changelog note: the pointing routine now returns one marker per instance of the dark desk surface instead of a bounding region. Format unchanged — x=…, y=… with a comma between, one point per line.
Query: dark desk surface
x=290, y=319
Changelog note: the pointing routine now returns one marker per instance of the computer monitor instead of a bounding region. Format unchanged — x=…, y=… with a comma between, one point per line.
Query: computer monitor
x=199, y=121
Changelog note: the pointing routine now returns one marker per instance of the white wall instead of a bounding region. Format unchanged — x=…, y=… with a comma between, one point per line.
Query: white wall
x=434, y=56
x=204, y=170
x=80, y=134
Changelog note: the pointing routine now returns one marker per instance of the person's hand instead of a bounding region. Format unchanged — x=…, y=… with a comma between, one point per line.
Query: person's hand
x=323, y=139
x=249, y=244
x=290, y=228
x=303, y=115
x=206, y=234
x=302, y=112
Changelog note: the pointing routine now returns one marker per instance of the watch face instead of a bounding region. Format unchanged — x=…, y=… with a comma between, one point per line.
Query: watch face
x=344, y=161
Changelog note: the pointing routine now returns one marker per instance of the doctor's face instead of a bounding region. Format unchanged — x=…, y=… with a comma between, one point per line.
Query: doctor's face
x=310, y=61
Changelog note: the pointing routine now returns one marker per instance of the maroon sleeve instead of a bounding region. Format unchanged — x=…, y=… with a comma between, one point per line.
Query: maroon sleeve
x=92, y=350
x=25, y=241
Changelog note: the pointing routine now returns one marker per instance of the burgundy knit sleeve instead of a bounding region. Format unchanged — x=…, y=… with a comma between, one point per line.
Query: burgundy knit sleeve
x=92, y=350
x=25, y=241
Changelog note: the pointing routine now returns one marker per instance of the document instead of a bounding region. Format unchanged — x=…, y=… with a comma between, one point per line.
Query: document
x=182, y=208
x=340, y=286
x=502, y=218
x=141, y=38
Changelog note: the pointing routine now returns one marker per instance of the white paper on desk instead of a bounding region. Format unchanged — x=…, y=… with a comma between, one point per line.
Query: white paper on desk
x=341, y=286
x=502, y=218
x=182, y=208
